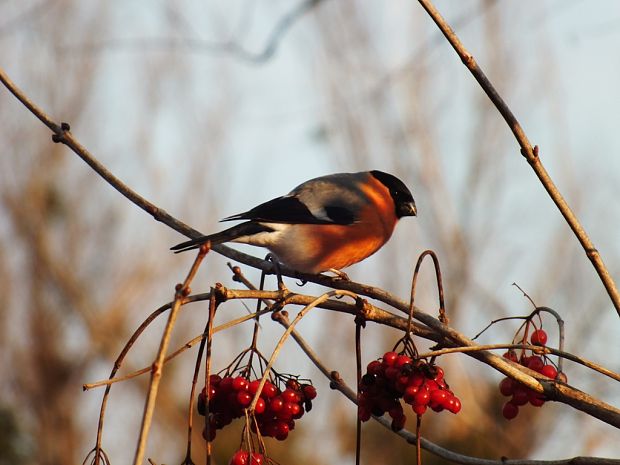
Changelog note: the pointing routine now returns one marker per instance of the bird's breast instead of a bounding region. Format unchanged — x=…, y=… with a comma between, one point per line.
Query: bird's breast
x=316, y=248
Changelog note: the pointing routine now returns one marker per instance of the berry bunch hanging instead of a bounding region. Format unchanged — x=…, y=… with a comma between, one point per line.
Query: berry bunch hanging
x=275, y=410
x=519, y=394
x=398, y=376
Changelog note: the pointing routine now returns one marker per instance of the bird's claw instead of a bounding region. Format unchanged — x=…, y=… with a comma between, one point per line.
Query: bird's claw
x=339, y=274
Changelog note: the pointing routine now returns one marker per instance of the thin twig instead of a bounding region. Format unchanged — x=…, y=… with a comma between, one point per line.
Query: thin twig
x=158, y=365
x=192, y=394
x=213, y=303
x=530, y=153
x=358, y=377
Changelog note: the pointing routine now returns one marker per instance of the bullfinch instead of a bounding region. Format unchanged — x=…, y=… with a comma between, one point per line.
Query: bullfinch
x=326, y=223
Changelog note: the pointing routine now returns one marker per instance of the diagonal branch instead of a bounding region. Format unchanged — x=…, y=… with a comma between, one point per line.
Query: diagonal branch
x=530, y=153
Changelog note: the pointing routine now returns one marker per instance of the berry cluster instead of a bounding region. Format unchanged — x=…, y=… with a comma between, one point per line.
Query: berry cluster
x=243, y=457
x=518, y=393
x=275, y=410
x=397, y=376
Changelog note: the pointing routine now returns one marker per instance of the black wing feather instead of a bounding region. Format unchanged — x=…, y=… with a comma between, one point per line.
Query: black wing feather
x=291, y=210
x=248, y=228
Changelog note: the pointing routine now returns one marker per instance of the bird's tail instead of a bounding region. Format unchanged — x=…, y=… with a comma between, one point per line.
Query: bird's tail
x=248, y=228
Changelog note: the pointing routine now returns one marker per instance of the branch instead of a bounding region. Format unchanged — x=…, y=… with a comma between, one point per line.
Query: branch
x=530, y=154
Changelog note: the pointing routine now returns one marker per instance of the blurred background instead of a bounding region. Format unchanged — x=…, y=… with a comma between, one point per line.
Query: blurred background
x=207, y=108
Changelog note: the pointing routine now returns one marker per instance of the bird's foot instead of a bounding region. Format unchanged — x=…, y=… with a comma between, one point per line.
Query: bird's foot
x=340, y=274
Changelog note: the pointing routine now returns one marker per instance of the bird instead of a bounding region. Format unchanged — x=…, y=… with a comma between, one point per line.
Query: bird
x=325, y=224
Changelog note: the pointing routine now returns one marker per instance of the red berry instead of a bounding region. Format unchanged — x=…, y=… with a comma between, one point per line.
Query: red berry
x=392, y=373
x=293, y=384
x=535, y=398
x=294, y=408
x=260, y=406
x=214, y=380
x=226, y=384
x=309, y=391
x=539, y=337
x=520, y=396
x=416, y=379
x=439, y=373
x=454, y=405
x=242, y=457
x=506, y=387
x=422, y=398
x=549, y=371
x=510, y=410
x=287, y=411
x=389, y=358
x=240, y=384
x=438, y=397
x=282, y=430
x=432, y=385
x=269, y=390
x=253, y=386
x=511, y=355
x=375, y=368
x=288, y=395
x=418, y=409
x=410, y=393
x=276, y=404
x=244, y=398
x=401, y=361
x=436, y=407
x=535, y=363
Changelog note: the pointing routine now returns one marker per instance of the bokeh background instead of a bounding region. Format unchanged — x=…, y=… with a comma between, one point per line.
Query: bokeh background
x=207, y=108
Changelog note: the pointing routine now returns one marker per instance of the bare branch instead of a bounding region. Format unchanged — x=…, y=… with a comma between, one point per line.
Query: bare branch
x=530, y=153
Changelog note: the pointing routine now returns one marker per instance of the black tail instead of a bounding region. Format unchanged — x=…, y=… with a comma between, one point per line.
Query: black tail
x=248, y=228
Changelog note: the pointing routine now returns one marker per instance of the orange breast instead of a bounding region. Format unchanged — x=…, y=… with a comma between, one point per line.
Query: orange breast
x=337, y=246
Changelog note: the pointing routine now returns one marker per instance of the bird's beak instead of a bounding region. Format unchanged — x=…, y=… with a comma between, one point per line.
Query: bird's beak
x=407, y=209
